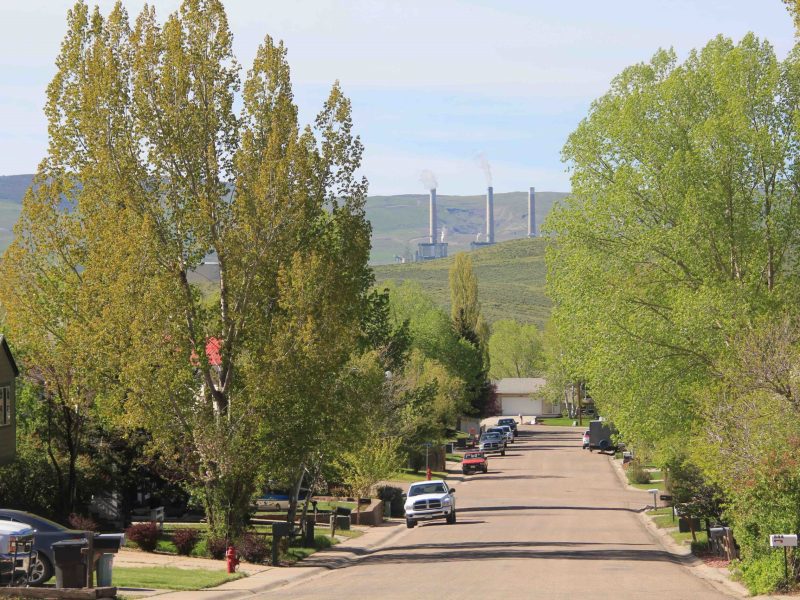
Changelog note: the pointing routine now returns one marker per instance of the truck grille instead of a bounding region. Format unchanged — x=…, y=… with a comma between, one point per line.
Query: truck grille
x=426, y=504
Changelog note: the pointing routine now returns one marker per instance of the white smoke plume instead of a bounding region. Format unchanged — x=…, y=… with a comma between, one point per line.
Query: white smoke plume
x=428, y=178
x=483, y=163
x=444, y=234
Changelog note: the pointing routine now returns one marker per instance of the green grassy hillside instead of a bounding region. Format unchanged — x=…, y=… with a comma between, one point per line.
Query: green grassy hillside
x=9, y=213
x=511, y=278
x=399, y=223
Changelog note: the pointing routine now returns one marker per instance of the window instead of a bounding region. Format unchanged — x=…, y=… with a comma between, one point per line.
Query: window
x=5, y=405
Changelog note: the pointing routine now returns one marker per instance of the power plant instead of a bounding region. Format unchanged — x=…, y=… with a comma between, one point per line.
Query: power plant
x=436, y=247
x=432, y=249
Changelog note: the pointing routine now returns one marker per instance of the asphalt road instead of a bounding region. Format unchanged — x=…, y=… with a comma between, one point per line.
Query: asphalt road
x=549, y=520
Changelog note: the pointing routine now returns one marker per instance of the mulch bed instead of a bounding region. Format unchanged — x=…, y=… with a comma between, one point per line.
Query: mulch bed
x=712, y=560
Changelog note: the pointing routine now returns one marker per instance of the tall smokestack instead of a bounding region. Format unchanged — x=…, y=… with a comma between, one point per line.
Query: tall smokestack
x=433, y=225
x=532, y=212
x=490, y=215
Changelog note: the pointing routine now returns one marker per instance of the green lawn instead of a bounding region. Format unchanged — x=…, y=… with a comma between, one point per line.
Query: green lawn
x=454, y=457
x=656, y=481
x=409, y=476
x=564, y=421
x=170, y=578
x=662, y=517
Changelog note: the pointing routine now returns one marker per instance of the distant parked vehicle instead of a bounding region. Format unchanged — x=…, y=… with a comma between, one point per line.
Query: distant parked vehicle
x=586, y=438
x=474, y=462
x=47, y=532
x=492, y=442
x=505, y=432
x=600, y=436
x=510, y=421
x=509, y=432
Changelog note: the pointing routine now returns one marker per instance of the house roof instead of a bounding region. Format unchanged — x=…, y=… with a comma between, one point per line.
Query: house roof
x=519, y=385
x=4, y=347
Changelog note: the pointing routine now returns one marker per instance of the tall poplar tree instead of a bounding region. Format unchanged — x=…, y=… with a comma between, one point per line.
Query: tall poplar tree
x=473, y=331
x=241, y=381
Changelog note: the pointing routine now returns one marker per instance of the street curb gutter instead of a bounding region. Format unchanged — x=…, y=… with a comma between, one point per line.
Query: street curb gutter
x=715, y=577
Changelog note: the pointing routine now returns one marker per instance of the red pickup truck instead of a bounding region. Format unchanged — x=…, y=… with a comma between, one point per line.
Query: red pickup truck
x=474, y=462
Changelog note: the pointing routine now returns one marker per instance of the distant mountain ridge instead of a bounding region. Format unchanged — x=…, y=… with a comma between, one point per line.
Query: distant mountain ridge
x=399, y=222
x=13, y=187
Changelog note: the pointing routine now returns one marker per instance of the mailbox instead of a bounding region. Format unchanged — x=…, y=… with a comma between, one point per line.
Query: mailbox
x=281, y=529
x=783, y=540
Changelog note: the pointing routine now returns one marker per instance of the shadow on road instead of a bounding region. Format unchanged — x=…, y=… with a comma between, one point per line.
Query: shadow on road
x=474, y=551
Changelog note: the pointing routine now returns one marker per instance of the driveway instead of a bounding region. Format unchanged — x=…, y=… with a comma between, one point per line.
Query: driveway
x=550, y=520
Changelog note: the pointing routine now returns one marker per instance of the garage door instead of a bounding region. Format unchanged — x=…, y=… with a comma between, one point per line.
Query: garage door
x=512, y=405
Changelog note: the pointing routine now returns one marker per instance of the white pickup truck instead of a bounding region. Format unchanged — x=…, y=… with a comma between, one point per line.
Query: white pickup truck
x=428, y=500
x=16, y=552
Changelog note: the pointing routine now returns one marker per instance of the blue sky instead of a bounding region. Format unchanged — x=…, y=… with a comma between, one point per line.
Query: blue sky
x=433, y=84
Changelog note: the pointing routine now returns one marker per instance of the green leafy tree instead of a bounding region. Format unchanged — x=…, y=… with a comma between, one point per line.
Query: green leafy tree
x=515, y=350
x=159, y=176
x=469, y=325
x=375, y=460
x=680, y=229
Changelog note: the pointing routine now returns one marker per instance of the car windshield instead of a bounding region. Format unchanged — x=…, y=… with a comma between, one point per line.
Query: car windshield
x=426, y=488
x=473, y=455
x=505, y=421
x=496, y=430
x=490, y=436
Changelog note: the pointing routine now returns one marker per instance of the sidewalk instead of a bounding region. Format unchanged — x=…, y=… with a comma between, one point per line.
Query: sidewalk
x=264, y=578
x=136, y=558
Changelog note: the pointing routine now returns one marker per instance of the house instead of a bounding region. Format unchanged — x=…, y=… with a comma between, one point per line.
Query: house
x=524, y=396
x=8, y=422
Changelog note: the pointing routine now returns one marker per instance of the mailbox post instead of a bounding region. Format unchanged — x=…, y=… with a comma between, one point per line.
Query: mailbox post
x=784, y=540
x=654, y=491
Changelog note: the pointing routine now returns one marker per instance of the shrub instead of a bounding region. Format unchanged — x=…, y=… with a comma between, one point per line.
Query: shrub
x=322, y=541
x=145, y=535
x=763, y=575
x=253, y=548
x=185, y=540
x=77, y=521
x=393, y=499
x=217, y=547
x=637, y=474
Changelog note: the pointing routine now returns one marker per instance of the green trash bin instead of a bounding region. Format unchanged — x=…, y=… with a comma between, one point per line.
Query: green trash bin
x=71, y=560
x=105, y=568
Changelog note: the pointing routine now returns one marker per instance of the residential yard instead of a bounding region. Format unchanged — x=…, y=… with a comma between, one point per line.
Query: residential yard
x=409, y=476
x=662, y=517
x=564, y=421
x=171, y=578
x=656, y=481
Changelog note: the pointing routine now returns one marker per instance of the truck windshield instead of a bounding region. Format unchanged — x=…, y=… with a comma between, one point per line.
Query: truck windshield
x=427, y=488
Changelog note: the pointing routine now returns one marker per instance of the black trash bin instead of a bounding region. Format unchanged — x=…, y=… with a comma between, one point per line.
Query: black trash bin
x=71, y=561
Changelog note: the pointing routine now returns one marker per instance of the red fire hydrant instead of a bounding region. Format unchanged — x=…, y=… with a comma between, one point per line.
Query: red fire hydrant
x=231, y=559
x=428, y=473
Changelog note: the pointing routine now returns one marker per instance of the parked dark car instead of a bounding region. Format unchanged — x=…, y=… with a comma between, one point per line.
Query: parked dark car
x=47, y=533
x=510, y=421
